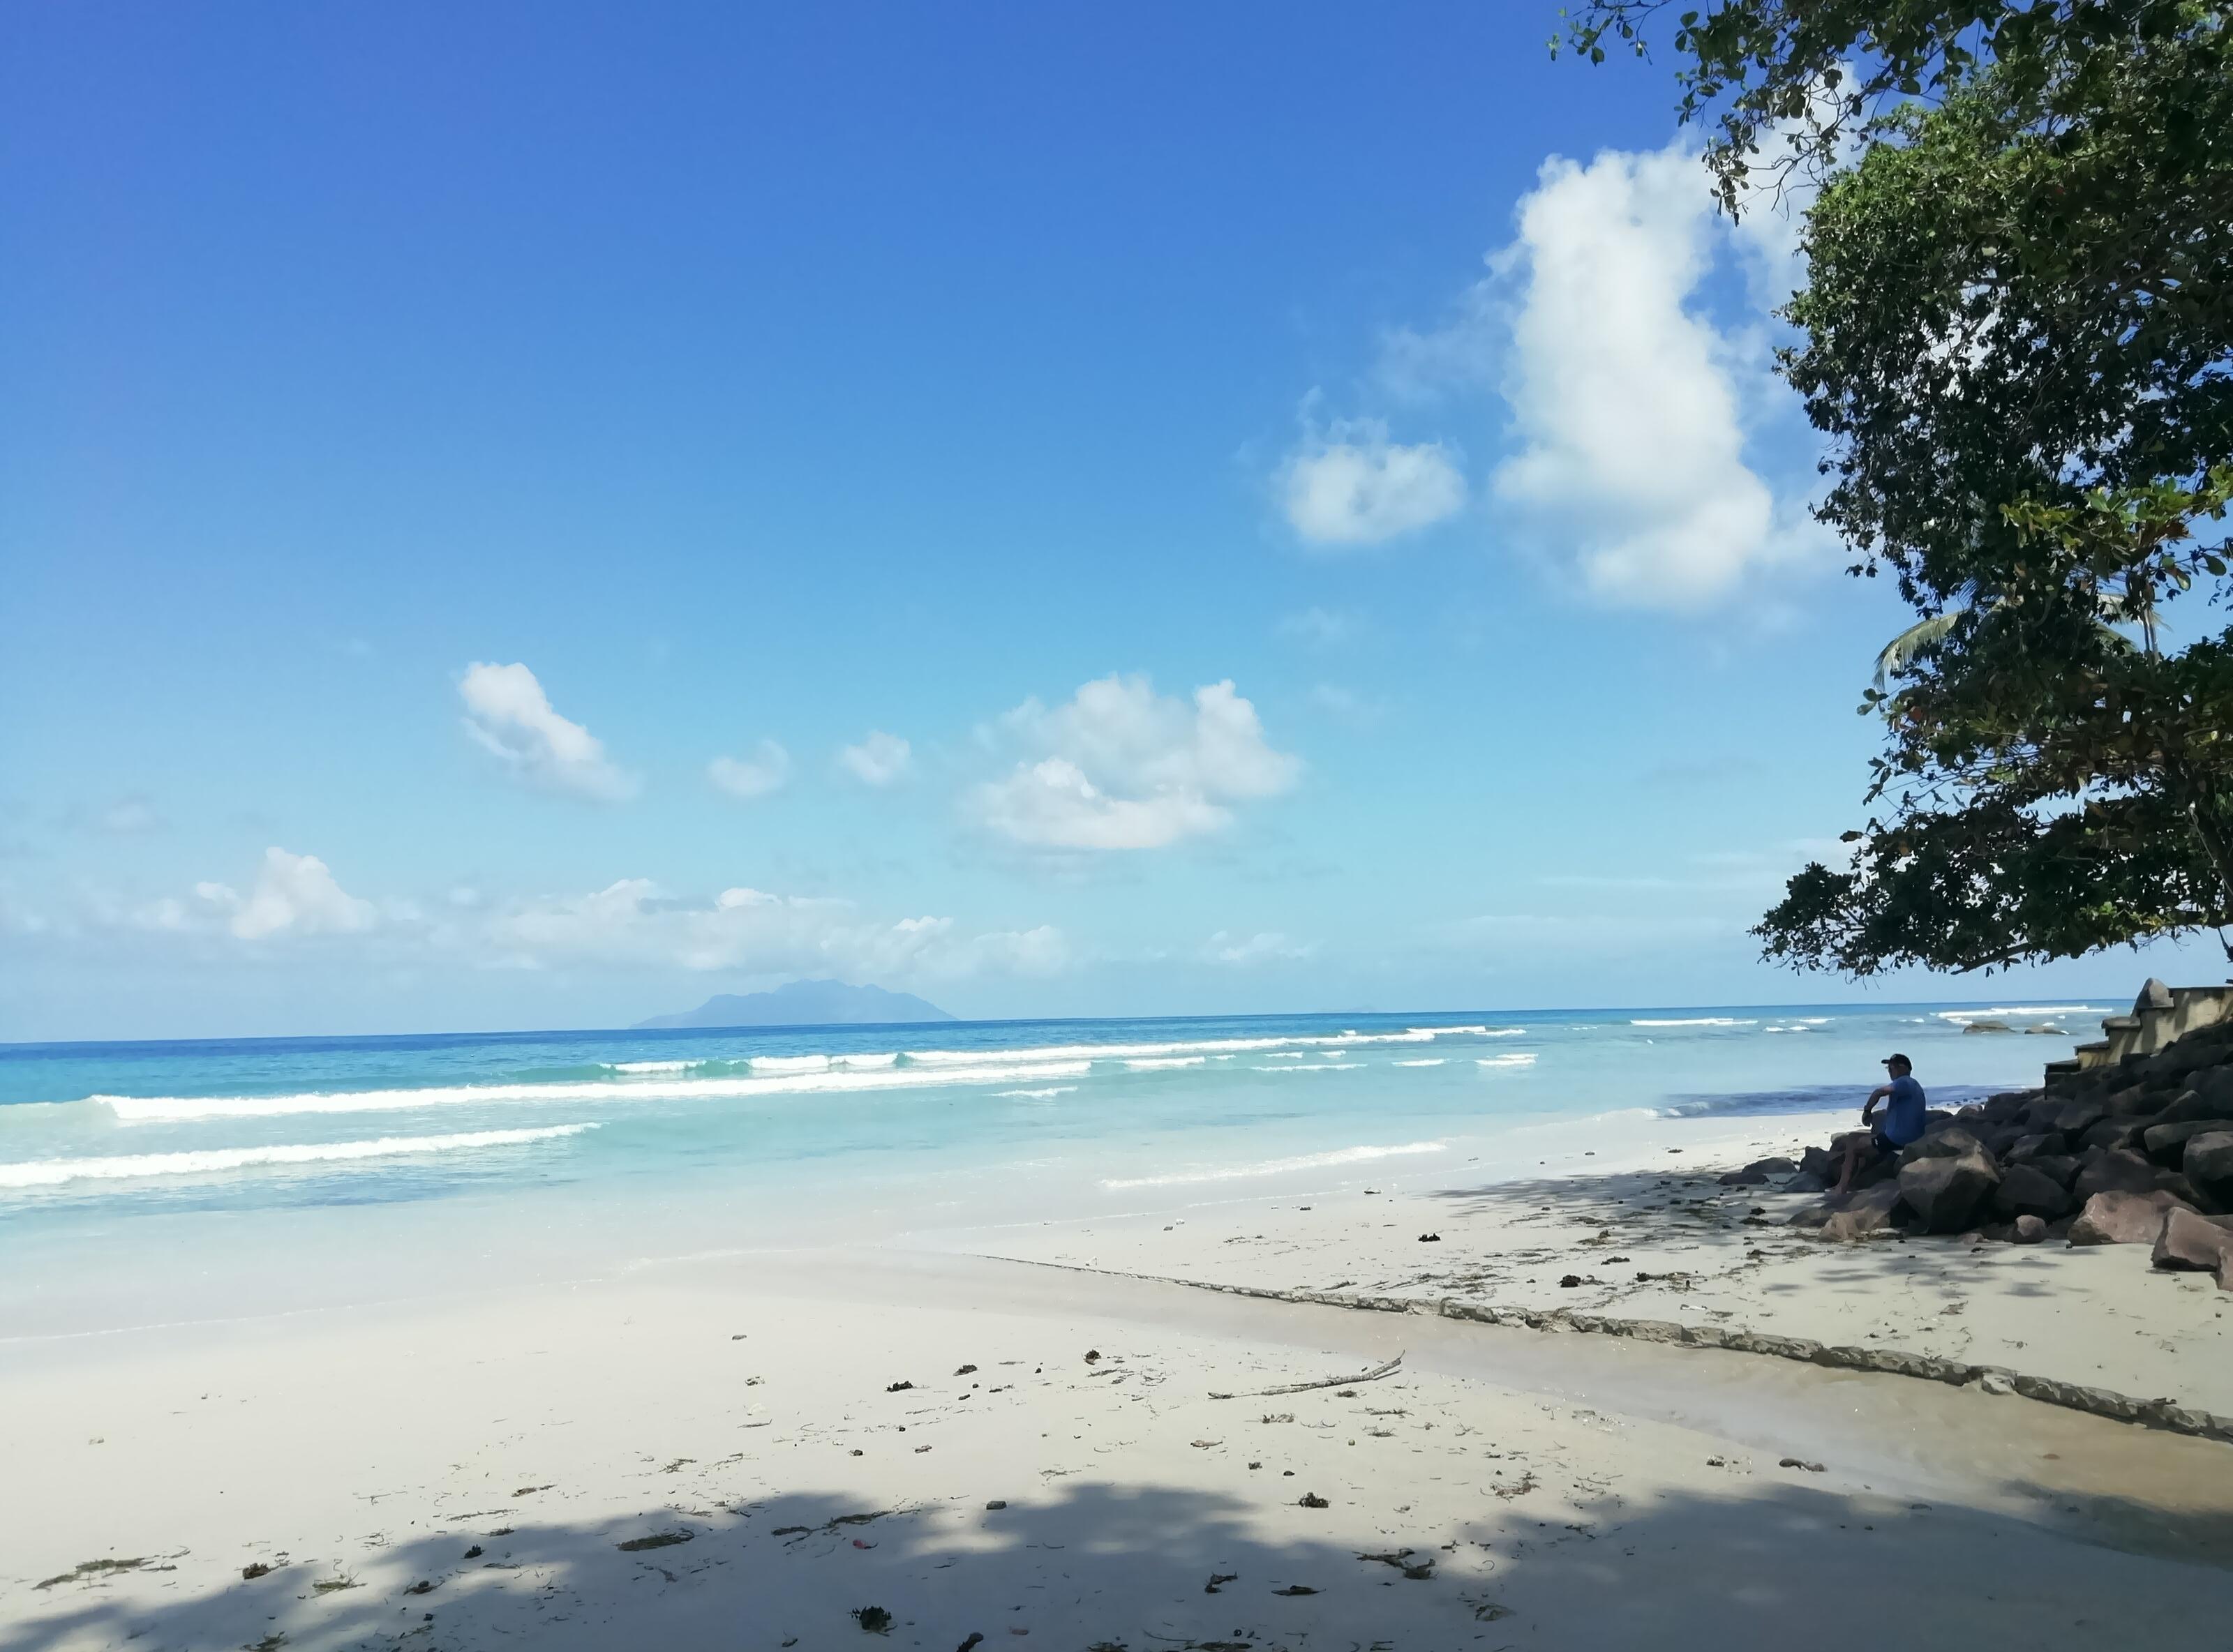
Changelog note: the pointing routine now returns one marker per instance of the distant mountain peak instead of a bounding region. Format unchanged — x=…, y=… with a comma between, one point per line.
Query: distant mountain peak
x=803, y=1004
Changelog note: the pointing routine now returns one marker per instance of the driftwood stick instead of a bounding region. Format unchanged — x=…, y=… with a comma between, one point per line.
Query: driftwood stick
x=1372, y=1376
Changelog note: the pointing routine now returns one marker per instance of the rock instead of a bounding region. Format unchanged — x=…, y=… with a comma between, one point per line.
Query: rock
x=1756, y=1174
x=2216, y=1089
x=2063, y=1167
x=2167, y=1143
x=1987, y=1026
x=1866, y=1213
x=2044, y=1144
x=2117, y=1170
x=1806, y=1182
x=2122, y=1219
x=1946, y=1193
x=2048, y=1028
x=1949, y=1143
x=2191, y=1241
x=2133, y=1100
x=2031, y=1230
x=1816, y=1162
x=2190, y=1104
x=2007, y=1107
x=2209, y=1166
x=2025, y=1191
x=2114, y=1133
x=2078, y=1117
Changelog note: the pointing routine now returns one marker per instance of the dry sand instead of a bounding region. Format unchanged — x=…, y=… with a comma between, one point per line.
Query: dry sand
x=464, y=1471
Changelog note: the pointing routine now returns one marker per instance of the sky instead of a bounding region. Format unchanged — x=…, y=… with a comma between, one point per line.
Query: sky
x=529, y=516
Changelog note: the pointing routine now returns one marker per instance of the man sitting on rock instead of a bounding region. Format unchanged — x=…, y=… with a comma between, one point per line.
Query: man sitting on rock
x=1902, y=1121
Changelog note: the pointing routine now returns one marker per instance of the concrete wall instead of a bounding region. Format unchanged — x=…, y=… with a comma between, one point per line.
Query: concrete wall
x=2159, y=1014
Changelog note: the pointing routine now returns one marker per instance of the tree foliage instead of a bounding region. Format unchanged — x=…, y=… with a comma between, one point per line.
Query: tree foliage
x=2017, y=337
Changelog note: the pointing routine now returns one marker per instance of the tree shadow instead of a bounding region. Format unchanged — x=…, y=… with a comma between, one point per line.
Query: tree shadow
x=1094, y=1564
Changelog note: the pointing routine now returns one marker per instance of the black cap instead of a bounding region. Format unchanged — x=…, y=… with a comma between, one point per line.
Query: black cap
x=1901, y=1060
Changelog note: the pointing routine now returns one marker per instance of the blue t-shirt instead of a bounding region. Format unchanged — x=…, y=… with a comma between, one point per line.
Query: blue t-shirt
x=1902, y=1120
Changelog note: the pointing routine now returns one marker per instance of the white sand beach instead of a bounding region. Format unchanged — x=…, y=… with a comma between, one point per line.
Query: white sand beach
x=713, y=1452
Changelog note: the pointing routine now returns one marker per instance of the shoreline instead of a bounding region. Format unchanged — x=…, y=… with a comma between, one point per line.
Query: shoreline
x=543, y=1424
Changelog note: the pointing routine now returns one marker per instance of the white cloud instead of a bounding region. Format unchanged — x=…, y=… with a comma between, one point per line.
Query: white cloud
x=1350, y=485
x=1324, y=627
x=750, y=932
x=758, y=776
x=1268, y=946
x=1629, y=405
x=1121, y=767
x=880, y=760
x=1347, y=706
x=294, y=895
x=507, y=712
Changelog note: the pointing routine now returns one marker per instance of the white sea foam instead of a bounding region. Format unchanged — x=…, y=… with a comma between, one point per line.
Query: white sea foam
x=136, y=1109
x=1038, y=1095
x=1152, y=1064
x=1315, y=1067
x=1697, y=1021
x=650, y=1066
x=1994, y=1014
x=1431, y=1061
x=1278, y=1167
x=1517, y=1058
x=1194, y=1046
x=52, y=1173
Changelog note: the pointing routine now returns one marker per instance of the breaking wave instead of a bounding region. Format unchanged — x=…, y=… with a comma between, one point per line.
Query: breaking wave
x=137, y=1109
x=53, y=1172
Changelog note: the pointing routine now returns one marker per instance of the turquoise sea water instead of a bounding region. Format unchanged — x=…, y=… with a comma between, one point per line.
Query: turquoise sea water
x=134, y=1174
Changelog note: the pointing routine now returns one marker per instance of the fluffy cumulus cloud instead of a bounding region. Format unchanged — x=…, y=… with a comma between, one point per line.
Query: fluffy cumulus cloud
x=508, y=714
x=881, y=759
x=758, y=775
x=293, y=894
x=1121, y=767
x=1350, y=485
x=1631, y=406
x=750, y=932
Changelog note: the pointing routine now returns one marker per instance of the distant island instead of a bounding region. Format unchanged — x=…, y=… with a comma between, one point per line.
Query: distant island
x=803, y=1004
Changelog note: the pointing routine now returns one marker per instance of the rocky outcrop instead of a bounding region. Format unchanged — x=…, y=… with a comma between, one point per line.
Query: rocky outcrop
x=2112, y=1150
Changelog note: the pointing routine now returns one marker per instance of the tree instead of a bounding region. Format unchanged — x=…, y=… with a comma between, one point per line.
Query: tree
x=2017, y=337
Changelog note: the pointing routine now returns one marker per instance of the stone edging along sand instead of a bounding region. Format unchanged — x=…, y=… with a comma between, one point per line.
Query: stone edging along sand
x=1891, y=1361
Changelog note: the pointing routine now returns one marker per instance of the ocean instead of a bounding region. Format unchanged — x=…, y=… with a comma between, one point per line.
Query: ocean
x=145, y=1181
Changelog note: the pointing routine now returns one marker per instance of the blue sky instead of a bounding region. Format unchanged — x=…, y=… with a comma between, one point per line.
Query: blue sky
x=527, y=516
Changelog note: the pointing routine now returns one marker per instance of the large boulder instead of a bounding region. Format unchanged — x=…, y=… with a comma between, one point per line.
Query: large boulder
x=1949, y=1143
x=2167, y=1143
x=2063, y=1168
x=2117, y=1170
x=1947, y=1192
x=2209, y=1166
x=2216, y=1089
x=2114, y=1133
x=2025, y=1191
x=2123, y=1219
x=2192, y=1104
x=2078, y=1117
x=2191, y=1241
x=1866, y=1213
x=2040, y=1145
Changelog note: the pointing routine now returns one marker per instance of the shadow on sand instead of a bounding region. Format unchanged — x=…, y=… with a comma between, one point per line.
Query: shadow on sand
x=1094, y=1566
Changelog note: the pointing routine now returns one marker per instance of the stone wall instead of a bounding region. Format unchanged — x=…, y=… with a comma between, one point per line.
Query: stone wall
x=2158, y=1016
